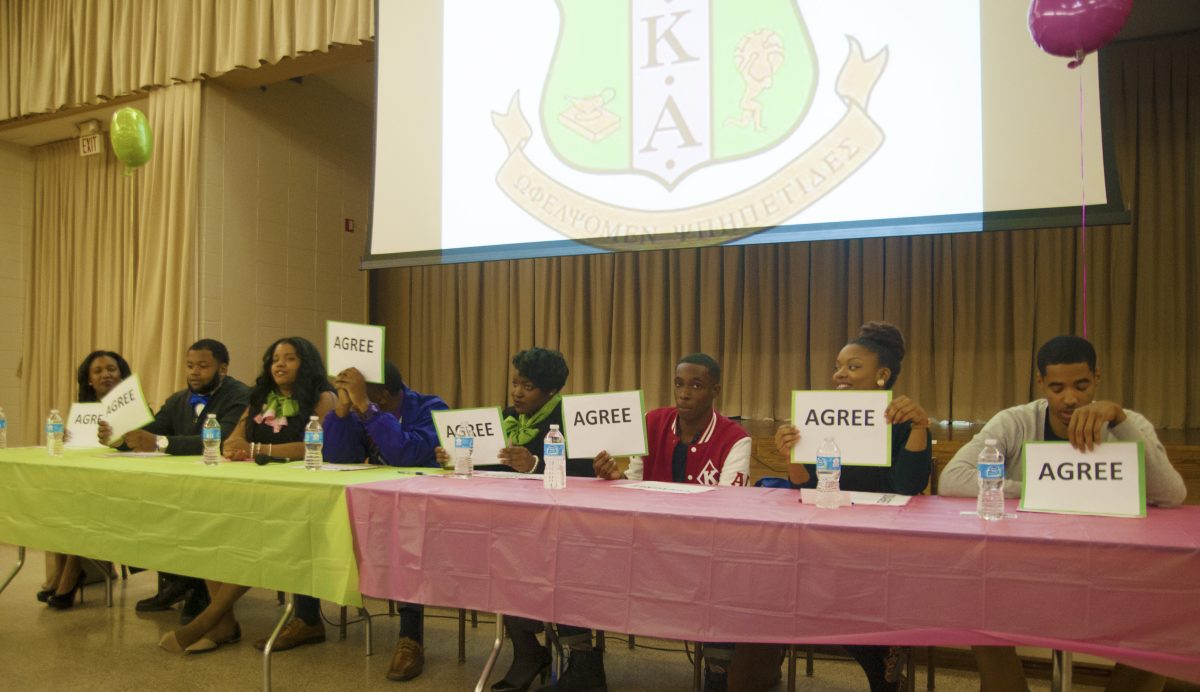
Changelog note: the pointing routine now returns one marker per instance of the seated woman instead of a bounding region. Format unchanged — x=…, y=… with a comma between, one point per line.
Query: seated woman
x=291, y=387
x=99, y=372
x=538, y=377
x=872, y=361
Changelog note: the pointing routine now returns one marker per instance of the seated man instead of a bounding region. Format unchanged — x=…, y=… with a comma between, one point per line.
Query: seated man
x=382, y=424
x=176, y=430
x=688, y=443
x=1069, y=412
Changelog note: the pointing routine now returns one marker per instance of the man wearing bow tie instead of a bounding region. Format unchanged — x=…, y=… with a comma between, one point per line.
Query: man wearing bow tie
x=176, y=430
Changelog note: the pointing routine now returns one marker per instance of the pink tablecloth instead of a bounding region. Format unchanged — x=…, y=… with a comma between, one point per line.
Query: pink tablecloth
x=752, y=564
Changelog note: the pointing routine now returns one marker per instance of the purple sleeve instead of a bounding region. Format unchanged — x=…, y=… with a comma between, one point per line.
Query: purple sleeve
x=410, y=444
x=345, y=438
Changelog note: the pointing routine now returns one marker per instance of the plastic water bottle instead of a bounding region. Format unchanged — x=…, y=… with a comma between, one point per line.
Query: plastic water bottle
x=555, y=451
x=990, y=504
x=829, y=474
x=464, y=447
x=314, y=439
x=54, y=434
x=3, y=430
x=210, y=435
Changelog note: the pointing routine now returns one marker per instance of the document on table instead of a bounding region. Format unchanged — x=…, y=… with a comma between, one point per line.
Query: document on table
x=809, y=497
x=345, y=467
x=137, y=454
x=509, y=474
x=664, y=487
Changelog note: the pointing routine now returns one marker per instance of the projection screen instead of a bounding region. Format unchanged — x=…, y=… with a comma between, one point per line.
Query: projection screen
x=530, y=128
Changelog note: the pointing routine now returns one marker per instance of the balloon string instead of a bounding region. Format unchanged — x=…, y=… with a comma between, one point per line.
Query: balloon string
x=1083, y=211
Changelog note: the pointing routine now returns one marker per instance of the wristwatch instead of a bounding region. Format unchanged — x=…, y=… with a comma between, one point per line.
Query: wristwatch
x=161, y=442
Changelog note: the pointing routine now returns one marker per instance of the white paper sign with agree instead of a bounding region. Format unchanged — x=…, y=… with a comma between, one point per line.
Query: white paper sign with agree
x=614, y=422
x=349, y=345
x=83, y=425
x=1110, y=480
x=854, y=418
x=482, y=423
x=125, y=407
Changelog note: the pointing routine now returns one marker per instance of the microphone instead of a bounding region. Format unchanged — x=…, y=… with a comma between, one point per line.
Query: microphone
x=263, y=460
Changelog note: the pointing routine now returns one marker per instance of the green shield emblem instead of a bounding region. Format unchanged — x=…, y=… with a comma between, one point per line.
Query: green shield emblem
x=664, y=88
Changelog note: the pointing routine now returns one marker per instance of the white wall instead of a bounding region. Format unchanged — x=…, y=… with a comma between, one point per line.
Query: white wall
x=280, y=170
x=16, y=224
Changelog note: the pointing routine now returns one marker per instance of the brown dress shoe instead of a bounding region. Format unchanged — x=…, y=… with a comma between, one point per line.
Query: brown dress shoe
x=408, y=661
x=295, y=633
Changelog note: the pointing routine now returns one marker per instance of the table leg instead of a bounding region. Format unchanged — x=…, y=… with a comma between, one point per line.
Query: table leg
x=791, y=656
x=16, y=568
x=491, y=660
x=362, y=613
x=1060, y=674
x=107, y=580
x=698, y=668
x=287, y=614
x=462, y=635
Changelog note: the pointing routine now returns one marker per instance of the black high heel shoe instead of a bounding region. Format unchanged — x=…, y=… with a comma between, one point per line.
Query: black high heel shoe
x=524, y=673
x=45, y=594
x=62, y=601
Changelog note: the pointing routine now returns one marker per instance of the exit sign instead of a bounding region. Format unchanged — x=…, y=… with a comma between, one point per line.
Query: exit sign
x=89, y=145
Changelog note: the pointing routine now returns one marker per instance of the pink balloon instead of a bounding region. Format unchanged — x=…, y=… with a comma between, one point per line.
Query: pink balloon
x=1074, y=28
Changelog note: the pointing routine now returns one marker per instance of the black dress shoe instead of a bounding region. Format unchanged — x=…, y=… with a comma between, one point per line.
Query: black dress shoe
x=197, y=600
x=169, y=593
x=45, y=594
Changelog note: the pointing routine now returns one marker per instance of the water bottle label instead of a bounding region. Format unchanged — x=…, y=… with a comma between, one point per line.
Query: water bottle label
x=208, y=434
x=991, y=471
x=829, y=464
x=313, y=437
x=3, y=424
x=554, y=449
x=54, y=428
x=464, y=443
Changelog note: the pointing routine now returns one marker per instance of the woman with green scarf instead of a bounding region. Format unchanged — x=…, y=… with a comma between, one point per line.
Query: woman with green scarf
x=291, y=387
x=535, y=389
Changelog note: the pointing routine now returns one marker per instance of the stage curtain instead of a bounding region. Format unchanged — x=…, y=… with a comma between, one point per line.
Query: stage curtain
x=165, y=308
x=79, y=280
x=66, y=53
x=113, y=260
x=973, y=307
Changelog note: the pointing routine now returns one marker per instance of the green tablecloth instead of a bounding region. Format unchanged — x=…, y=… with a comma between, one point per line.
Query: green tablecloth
x=275, y=526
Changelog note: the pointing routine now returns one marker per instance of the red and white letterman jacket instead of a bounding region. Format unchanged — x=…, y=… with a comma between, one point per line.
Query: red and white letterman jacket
x=720, y=457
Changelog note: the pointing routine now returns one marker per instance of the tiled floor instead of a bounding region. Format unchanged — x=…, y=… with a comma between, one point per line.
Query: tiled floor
x=96, y=648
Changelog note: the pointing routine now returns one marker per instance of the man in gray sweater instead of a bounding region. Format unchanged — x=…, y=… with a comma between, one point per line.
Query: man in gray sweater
x=1070, y=412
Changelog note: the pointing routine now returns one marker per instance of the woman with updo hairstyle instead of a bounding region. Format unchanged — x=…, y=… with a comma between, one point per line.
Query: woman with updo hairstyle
x=872, y=361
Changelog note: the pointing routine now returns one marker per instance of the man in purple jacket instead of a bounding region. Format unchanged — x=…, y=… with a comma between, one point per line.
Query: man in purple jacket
x=382, y=424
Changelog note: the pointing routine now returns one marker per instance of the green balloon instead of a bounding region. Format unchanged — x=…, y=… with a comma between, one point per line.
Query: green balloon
x=131, y=139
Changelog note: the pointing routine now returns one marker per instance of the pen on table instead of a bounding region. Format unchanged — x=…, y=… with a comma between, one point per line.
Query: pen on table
x=412, y=473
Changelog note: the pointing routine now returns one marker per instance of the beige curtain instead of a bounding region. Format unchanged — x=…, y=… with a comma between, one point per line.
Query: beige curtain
x=79, y=278
x=65, y=53
x=973, y=307
x=113, y=261
x=164, y=315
